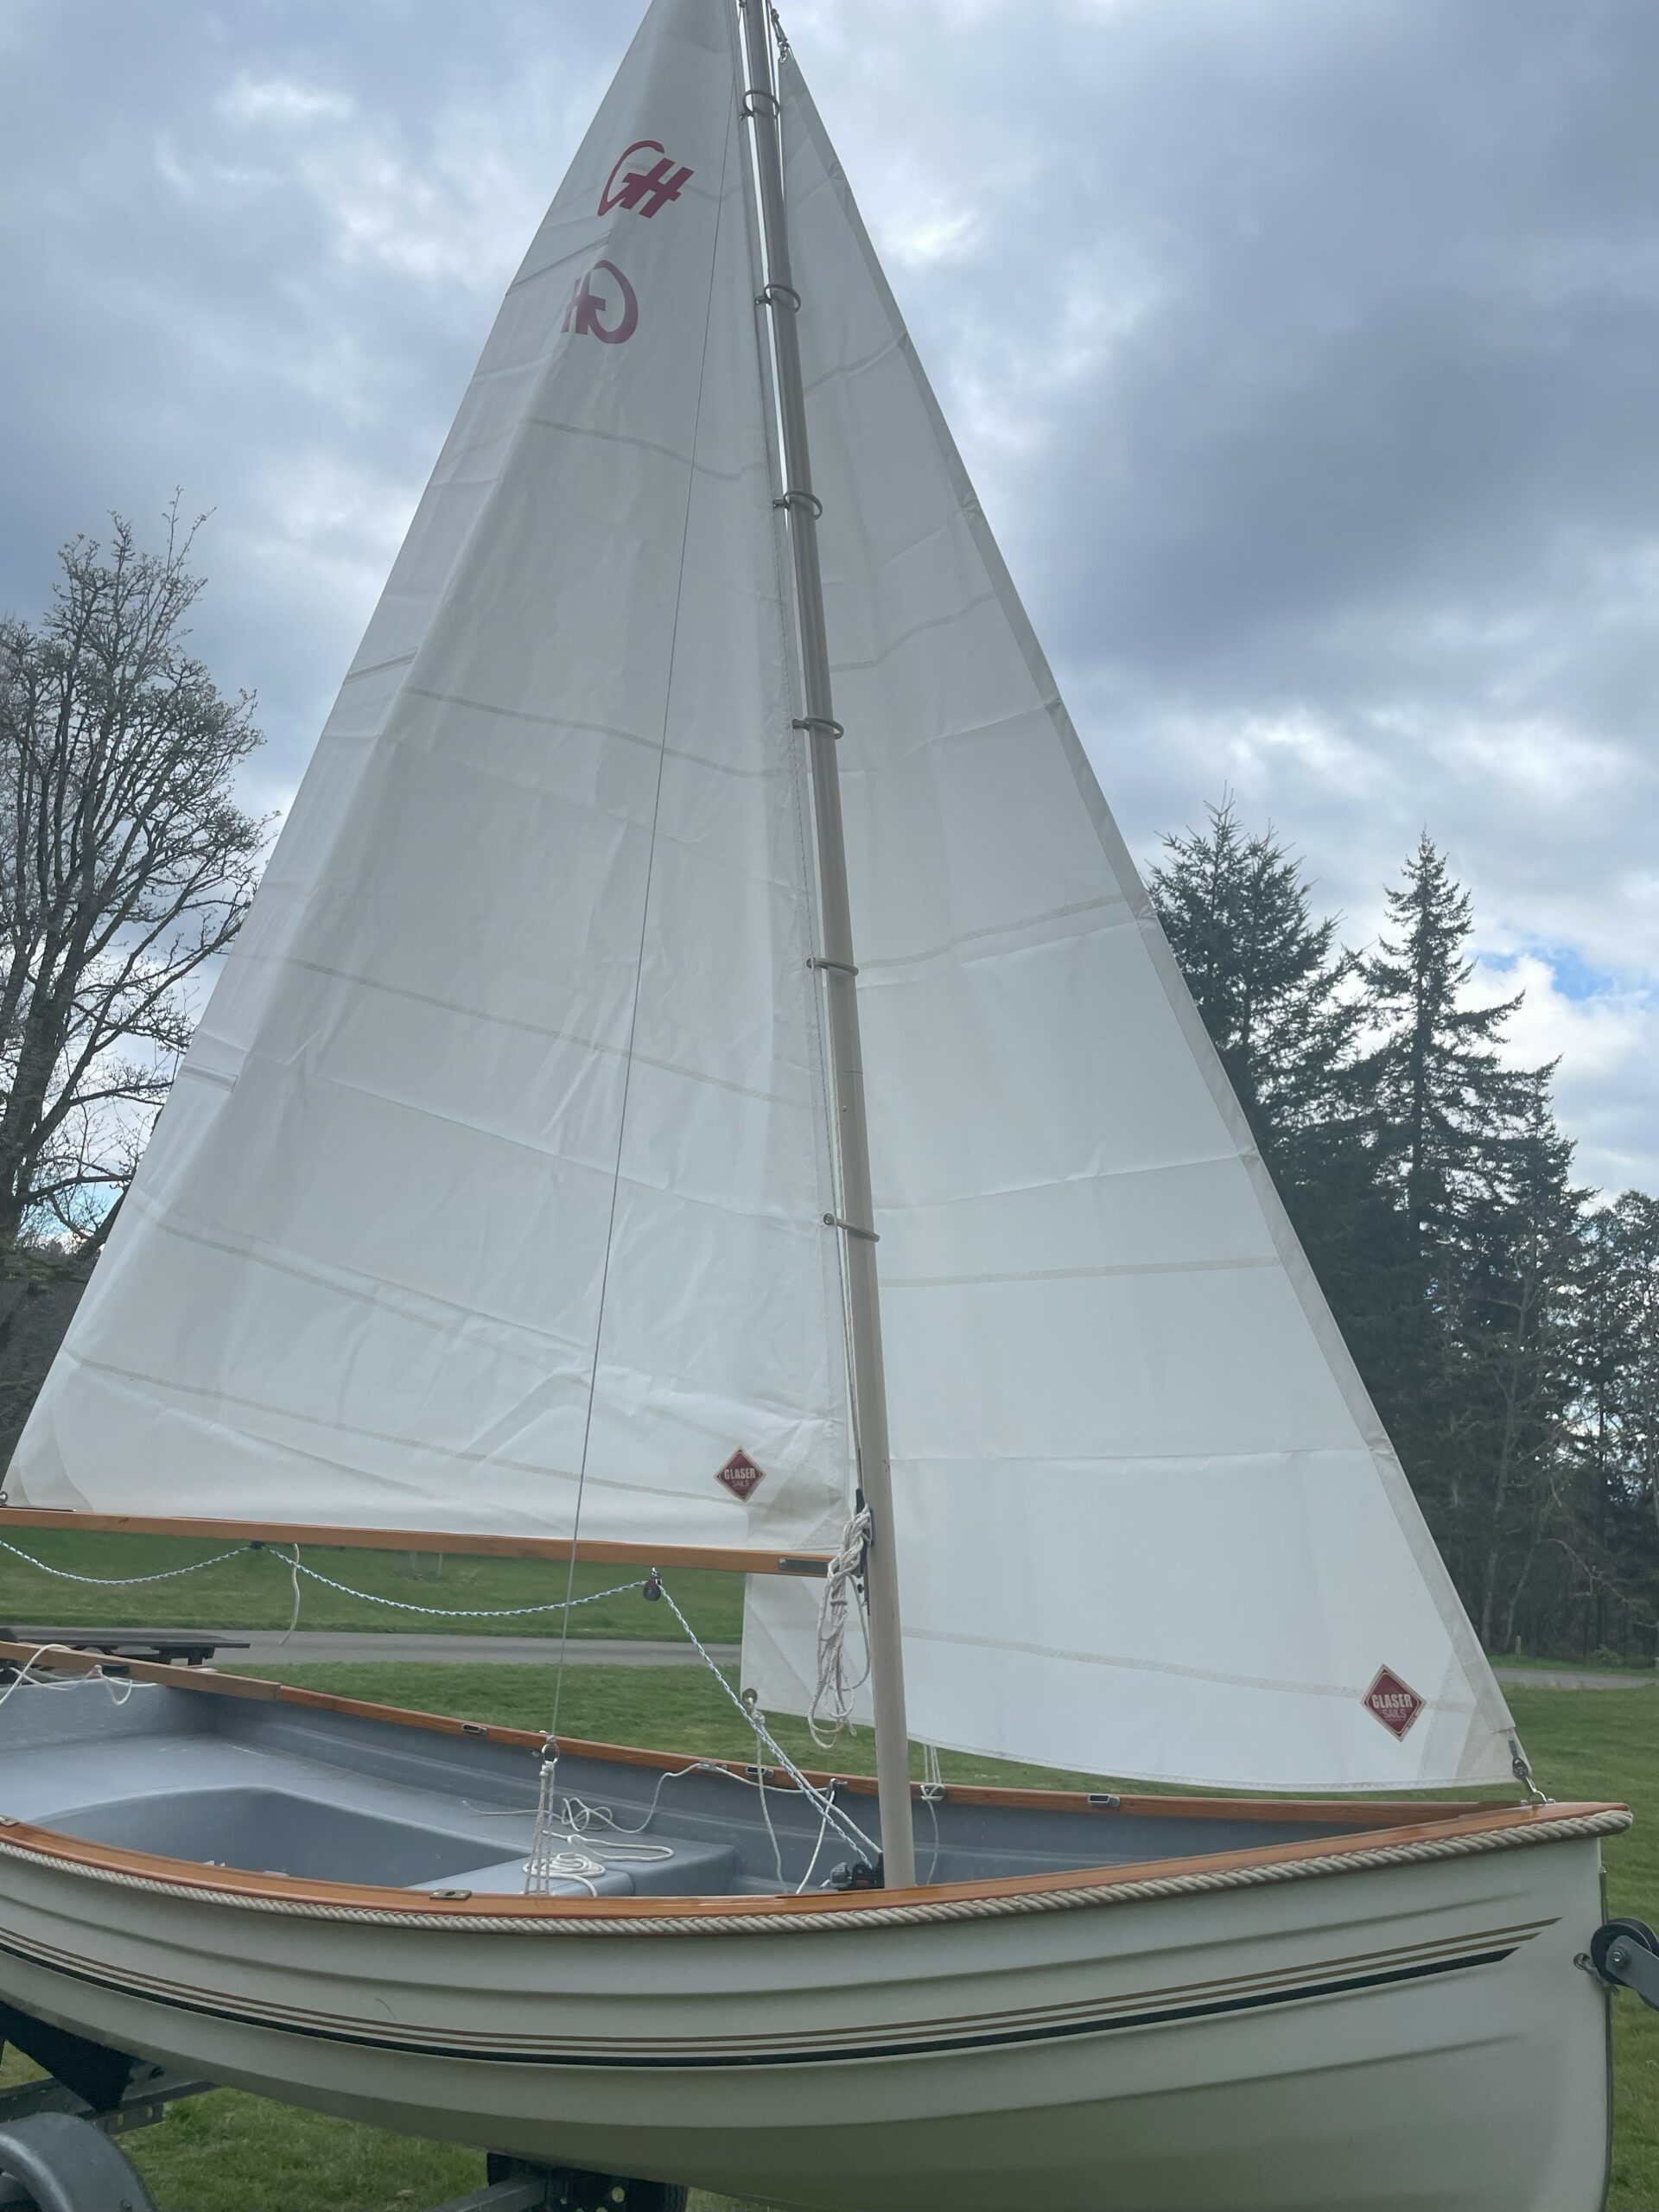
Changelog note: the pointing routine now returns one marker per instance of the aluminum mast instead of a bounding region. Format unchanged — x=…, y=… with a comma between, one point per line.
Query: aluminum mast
x=762, y=106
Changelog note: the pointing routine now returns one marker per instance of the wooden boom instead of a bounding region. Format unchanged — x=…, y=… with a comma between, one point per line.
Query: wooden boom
x=720, y=1559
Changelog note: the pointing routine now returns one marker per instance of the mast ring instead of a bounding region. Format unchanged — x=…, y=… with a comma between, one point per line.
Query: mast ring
x=809, y=500
x=819, y=722
x=850, y=1229
x=749, y=111
x=769, y=295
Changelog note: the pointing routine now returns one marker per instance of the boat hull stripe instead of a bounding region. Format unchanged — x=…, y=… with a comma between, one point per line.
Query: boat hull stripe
x=904, y=2044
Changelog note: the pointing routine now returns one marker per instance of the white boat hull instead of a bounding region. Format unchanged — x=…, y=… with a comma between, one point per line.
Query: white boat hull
x=1414, y=2036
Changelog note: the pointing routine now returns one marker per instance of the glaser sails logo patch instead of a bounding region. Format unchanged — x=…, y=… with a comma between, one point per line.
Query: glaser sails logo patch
x=646, y=190
x=741, y=1475
x=1393, y=1702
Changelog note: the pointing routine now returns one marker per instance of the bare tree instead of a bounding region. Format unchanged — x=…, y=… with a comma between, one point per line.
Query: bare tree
x=125, y=866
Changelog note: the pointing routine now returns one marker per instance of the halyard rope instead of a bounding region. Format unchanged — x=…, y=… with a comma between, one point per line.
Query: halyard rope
x=923, y=1912
x=830, y=1712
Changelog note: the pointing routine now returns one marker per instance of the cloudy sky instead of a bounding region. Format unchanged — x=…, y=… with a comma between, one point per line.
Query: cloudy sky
x=1305, y=354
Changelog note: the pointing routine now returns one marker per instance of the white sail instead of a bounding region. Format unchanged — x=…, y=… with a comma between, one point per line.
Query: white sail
x=1149, y=1523
x=498, y=1159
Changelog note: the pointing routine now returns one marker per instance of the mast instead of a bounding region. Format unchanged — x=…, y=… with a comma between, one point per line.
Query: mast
x=854, y=1225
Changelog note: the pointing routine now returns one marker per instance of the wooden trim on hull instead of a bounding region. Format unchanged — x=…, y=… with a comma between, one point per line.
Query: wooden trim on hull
x=1400, y=1828
x=716, y=1559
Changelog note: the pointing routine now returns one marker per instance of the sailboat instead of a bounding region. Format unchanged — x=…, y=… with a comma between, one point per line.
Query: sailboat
x=702, y=1085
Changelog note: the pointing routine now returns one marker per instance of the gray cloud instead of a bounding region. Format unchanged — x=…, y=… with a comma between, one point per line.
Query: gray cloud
x=1304, y=355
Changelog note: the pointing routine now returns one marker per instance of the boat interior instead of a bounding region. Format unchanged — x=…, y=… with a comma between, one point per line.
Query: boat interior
x=226, y=1772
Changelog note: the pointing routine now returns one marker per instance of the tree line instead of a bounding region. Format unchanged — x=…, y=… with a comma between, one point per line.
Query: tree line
x=1503, y=1316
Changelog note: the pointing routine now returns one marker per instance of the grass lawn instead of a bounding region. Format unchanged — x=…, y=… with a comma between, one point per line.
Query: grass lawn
x=1595, y=1663
x=228, y=2152
x=256, y=1590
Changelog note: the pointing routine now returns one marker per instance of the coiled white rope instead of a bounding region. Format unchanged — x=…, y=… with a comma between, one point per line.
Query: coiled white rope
x=573, y=1853
x=830, y=1712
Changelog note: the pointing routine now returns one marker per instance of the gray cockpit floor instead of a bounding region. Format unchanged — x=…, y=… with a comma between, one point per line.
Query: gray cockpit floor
x=283, y=1789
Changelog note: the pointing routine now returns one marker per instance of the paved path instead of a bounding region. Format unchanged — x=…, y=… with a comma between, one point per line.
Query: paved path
x=324, y=1646
x=268, y=1647
x=1551, y=1678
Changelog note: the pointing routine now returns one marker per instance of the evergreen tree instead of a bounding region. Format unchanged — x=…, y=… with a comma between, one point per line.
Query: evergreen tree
x=1276, y=994
x=1611, y=1540
x=1432, y=1191
x=1466, y=1346
x=1283, y=1005
x=1509, y=1331
x=1443, y=1103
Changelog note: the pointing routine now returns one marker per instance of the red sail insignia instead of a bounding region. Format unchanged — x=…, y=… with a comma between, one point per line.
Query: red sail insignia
x=1393, y=1702
x=739, y=1474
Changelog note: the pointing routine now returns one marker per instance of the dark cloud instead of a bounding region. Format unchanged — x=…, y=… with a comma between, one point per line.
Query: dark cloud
x=1305, y=356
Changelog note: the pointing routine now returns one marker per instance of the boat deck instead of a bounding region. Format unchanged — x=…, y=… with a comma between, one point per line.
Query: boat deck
x=314, y=1789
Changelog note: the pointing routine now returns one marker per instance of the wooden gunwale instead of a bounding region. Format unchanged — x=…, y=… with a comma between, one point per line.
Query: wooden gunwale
x=716, y=1559
x=1396, y=1822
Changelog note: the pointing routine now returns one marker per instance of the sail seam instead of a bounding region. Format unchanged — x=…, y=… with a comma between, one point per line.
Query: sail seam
x=1341, y=1691
x=578, y=728
x=424, y=1446
x=601, y=235
x=1130, y=1268
x=405, y=1298
x=916, y=629
x=642, y=445
x=376, y=667
x=1000, y=929
x=849, y=369
x=515, y=1022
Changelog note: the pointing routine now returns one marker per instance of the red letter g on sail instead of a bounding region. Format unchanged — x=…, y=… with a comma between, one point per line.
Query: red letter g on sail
x=591, y=315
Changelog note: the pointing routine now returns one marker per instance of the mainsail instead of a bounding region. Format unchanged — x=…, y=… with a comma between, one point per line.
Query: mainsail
x=497, y=1160
x=500, y=1170
x=1149, y=1523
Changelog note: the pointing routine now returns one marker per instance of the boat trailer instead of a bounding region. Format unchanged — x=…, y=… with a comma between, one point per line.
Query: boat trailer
x=1624, y=1954
x=58, y=2152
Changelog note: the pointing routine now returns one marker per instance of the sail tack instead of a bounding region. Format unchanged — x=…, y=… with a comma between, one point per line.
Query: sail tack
x=499, y=1159
x=1149, y=1524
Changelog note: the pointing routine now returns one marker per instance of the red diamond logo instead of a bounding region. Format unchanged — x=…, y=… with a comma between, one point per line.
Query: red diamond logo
x=739, y=1474
x=1393, y=1702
